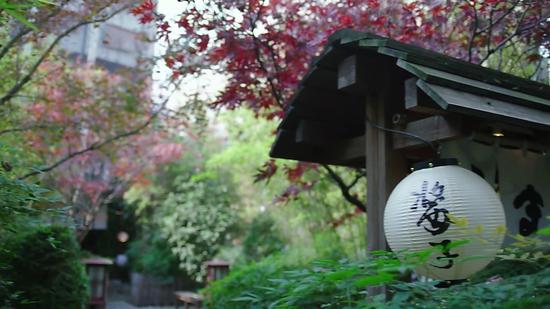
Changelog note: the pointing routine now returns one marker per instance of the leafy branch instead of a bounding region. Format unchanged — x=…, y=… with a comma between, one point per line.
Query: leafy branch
x=26, y=128
x=99, y=144
x=346, y=188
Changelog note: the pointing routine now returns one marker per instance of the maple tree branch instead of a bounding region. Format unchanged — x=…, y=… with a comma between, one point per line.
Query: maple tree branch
x=490, y=30
x=345, y=188
x=270, y=80
x=358, y=176
x=27, y=78
x=26, y=128
x=257, y=44
x=474, y=31
x=92, y=147
x=500, y=18
x=537, y=69
x=518, y=30
x=96, y=207
x=11, y=43
x=98, y=145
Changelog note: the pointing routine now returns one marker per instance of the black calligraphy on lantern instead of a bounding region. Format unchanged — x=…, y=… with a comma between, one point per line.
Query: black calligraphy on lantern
x=434, y=219
x=447, y=257
x=532, y=201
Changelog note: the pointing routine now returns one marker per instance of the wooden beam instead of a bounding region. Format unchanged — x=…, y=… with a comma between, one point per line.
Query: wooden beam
x=325, y=133
x=331, y=57
x=347, y=73
x=325, y=105
x=478, y=87
x=356, y=73
x=321, y=78
x=411, y=93
x=488, y=108
x=418, y=102
x=310, y=97
x=333, y=143
x=343, y=152
x=432, y=129
x=348, y=150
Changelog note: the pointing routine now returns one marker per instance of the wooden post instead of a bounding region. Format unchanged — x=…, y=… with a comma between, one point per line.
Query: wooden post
x=376, y=151
x=385, y=168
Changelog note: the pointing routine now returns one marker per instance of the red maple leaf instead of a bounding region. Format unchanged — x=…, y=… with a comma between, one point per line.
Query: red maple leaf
x=145, y=10
x=266, y=171
x=294, y=173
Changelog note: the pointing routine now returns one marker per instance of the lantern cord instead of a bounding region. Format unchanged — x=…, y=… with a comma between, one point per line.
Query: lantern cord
x=408, y=134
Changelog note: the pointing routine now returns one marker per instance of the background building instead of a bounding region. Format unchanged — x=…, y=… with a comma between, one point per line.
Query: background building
x=119, y=42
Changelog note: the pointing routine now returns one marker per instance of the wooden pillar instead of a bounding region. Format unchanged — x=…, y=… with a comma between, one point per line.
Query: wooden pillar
x=376, y=153
x=376, y=80
x=385, y=168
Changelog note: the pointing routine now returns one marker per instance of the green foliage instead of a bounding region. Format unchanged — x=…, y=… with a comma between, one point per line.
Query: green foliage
x=17, y=198
x=246, y=281
x=186, y=210
x=249, y=138
x=20, y=199
x=152, y=255
x=523, y=291
x=194, y=219
x=519, y=278
x=41, y=268
x=18, y=10
x=282, y=282
x=262, y=238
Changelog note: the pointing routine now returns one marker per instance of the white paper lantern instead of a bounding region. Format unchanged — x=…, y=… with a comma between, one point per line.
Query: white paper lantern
x=441, y=206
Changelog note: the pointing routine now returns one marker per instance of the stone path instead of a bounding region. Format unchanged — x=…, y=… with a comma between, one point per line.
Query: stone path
x=118, y=297
x=119, y=304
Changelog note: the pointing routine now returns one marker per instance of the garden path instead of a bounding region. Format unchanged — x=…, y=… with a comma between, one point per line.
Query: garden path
x=119, y=304
x=118, y=297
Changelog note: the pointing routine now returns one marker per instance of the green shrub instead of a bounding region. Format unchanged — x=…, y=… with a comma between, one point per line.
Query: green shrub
x=276, y=282
x=262, y=238
x=283, y=282
x=524, y=291
x=243, y=282
x=152, y=255
x=41, y=268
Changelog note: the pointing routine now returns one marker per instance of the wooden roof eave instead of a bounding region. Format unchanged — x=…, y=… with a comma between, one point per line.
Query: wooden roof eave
x=349, y=152
x=471, y=104
x=438, y=77
x=458, y=82
x=418, y=55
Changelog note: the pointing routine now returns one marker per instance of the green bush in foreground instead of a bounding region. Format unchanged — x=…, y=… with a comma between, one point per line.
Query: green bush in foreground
x=522, y=282
x=277, y=282
x=523, y=291
x=41, y=269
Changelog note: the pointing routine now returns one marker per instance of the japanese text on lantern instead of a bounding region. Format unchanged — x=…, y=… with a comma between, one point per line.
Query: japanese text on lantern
x=434, y=219
x=437, y=217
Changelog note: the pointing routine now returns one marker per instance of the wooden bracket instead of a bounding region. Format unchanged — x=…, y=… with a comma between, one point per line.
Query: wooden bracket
x=418, y=101
x=432, y=129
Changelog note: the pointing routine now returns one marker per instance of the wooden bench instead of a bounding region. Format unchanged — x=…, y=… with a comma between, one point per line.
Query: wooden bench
x=188, y=298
